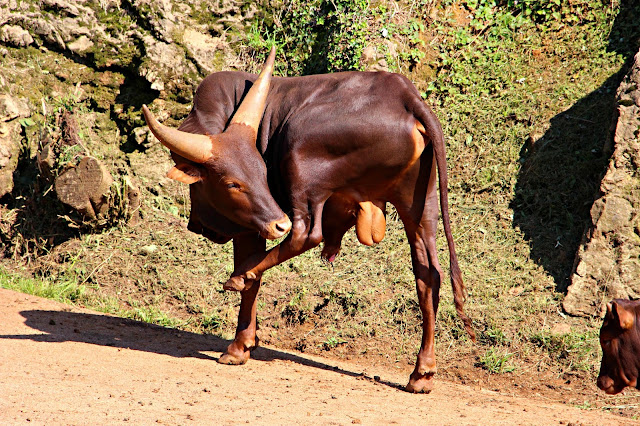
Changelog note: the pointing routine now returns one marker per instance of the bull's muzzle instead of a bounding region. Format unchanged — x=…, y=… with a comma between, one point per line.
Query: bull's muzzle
x=612, y=387
x=278, y=228
x=606, y=384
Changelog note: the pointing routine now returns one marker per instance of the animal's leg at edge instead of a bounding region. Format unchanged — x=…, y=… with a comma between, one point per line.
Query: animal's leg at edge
x=238, y=352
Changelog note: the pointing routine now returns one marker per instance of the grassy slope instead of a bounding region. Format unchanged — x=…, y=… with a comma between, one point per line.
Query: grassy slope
x=526, y=111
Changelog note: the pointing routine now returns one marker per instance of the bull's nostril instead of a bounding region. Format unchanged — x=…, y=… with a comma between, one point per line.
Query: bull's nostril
x=283, y=226
x=604, y=382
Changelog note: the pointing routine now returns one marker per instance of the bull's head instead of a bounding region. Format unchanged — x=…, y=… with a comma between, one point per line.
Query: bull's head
x=620, y=341
x=226, y=170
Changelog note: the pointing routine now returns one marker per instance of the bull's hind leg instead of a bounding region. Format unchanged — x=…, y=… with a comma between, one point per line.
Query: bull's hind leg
x=245, y=339
x=420, y=218
x=428, y=276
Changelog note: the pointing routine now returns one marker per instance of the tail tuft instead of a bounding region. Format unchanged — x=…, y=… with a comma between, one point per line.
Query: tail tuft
x=458, y=299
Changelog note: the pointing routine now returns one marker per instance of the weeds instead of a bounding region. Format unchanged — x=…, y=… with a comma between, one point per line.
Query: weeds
x=329, y=36
x=493, y=337
x=575, y=351
x=297, y=310
x=332, y=342
x=149, y=314
x=210, y=323
x=496, y=361
x=315, y=37
x=66, y=291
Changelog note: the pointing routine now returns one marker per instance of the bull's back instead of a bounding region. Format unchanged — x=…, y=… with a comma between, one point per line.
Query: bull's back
x=357, y=121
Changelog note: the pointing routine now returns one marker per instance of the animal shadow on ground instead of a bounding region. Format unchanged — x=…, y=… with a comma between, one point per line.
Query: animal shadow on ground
x=118, y=332
x=561, y=172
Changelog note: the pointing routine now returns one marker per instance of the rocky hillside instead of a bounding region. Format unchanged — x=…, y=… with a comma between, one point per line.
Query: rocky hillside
x=608, y=263
x=73, y=78
x=75, y=75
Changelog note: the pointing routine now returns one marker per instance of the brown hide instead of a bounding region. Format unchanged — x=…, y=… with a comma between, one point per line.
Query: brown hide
x=333, y=150
x=620, y=342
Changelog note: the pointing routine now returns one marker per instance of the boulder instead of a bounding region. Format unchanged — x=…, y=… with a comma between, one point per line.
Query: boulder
x=15, y=36
x=11, y=110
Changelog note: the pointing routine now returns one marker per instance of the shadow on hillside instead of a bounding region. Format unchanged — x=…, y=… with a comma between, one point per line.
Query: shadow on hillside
x=561, y=173
x=103, y=330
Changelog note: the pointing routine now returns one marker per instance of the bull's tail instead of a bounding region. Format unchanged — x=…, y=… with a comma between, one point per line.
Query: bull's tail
x=433, y=132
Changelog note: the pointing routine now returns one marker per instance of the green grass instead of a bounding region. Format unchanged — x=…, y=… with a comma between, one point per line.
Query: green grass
x=66, y=291
x=496, y=361
x=573, y=350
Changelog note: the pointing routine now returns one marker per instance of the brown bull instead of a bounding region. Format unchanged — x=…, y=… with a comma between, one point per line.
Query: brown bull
x=620, y=341
x=330, y=151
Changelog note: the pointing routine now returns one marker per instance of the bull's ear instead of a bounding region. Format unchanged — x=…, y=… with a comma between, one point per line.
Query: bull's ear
x=186, y=173
x=624, y=317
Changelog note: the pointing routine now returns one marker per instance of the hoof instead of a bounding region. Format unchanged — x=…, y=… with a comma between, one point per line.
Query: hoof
x=237, y=283
x=238, y=353
x=229, y=359
x=420, y=383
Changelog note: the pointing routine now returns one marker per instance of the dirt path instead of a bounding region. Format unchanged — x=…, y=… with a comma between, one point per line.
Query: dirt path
x=64, y=365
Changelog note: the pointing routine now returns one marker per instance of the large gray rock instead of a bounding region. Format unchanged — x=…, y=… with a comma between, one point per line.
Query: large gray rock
x=608, y=263
x=15, y=36
x=11, y=110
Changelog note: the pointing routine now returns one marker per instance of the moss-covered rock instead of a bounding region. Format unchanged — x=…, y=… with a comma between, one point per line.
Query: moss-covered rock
x=12, y=114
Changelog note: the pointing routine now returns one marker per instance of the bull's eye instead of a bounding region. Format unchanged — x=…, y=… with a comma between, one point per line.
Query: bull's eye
x=233, y=185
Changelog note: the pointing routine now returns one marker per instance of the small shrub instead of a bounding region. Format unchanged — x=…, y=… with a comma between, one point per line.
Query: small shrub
x=577, y=351
x=496, y=361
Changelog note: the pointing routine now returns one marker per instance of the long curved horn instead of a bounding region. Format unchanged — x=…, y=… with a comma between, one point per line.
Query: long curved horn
x=191, y=146
x=252, y=107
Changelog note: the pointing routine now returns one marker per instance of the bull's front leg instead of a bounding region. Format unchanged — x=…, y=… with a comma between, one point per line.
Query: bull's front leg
x=303, y=237
x=238, y=352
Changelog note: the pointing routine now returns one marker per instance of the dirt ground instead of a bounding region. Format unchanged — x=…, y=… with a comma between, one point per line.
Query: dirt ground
x=65, y=365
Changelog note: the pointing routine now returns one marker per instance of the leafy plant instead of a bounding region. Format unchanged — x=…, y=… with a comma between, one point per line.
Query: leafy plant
x=26, y=122
x=496, y=361
x=575, y=350
x=568, y=12
x=332, y=341
x=315, y=37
